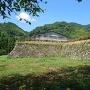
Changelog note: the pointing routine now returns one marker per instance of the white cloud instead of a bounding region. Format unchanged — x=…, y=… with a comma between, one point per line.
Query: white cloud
x=25, y=16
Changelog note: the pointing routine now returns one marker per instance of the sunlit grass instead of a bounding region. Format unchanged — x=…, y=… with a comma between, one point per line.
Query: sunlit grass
x=51, y=73
x=25, y=66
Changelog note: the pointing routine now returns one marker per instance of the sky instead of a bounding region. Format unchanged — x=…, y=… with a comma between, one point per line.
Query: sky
x=56, y=11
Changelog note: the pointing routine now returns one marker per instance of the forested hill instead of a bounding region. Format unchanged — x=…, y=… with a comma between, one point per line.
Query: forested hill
x=9, y=33
x=12, y=30
x=72, y=30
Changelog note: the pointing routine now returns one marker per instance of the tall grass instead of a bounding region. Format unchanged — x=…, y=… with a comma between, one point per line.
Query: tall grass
x=51, y=73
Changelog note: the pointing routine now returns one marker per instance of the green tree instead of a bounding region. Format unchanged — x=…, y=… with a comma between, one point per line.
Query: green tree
x=30, y=6
x=6, y=44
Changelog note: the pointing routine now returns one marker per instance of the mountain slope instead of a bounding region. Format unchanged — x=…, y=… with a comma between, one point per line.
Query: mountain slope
x=72, y=30
x=9, y=33
x=12, y=30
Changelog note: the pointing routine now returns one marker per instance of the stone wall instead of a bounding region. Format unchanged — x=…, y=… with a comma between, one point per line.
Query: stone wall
x=53, y=36
x=74, y=50
x=77, y=51
x=34, y=50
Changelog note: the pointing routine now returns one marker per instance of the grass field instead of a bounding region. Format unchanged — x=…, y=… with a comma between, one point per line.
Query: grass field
x=51, y=73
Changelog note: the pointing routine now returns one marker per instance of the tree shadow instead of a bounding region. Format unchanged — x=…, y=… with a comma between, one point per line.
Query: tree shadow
x=72, y=78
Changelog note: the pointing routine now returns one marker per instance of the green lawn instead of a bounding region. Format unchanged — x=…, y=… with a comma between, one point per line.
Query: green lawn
x=51, y=73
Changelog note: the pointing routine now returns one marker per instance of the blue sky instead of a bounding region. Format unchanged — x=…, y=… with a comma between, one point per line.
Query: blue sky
x=56, y=10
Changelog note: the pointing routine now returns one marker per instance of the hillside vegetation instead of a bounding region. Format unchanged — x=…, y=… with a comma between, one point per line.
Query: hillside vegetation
x=72, y=30
x=9, y=33
x=12, y=30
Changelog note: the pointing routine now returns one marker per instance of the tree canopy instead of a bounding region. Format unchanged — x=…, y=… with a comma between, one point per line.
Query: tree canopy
x=30, y=6
x=71, y=30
